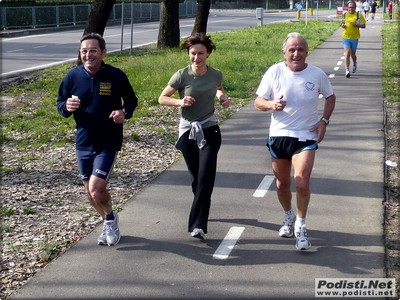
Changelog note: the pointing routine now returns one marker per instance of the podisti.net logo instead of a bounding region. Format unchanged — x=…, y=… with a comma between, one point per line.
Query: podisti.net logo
x=355, y=287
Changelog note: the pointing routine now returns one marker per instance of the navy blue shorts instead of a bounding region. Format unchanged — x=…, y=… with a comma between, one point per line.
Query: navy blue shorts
x=99, y=164
x=283, y=147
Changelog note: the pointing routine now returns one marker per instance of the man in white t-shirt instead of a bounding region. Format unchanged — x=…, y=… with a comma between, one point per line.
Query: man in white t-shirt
x=366, y=8
x=359, y=6
x=292, y=89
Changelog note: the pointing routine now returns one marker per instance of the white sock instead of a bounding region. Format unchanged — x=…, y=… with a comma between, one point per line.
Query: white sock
x=289, y=212
x=300, y=222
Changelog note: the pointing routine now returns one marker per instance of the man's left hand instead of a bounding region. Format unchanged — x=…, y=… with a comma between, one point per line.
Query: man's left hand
x=118, y=116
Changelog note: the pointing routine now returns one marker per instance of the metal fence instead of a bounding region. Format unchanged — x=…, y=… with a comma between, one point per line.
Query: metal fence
x=274, y=4
x=72, y=15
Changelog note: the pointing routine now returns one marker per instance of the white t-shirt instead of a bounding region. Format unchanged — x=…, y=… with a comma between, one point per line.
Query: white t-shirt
x=301, y=90
x=366, y=6
x=359, y=6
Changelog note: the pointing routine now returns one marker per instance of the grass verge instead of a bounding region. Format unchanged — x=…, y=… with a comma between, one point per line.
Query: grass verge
x=390, y=62
x=243, y=56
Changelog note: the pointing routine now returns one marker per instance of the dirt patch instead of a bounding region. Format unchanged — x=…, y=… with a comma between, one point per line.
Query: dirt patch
x=391, y=220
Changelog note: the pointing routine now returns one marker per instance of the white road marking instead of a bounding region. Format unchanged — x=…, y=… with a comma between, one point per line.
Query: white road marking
x=38, y=67
x=331, y=75
x=339, y=63
x=58, y=62
x=228, y=243
x=335, y=68
x=16, y=50
x=42, y=46
x=264, y=186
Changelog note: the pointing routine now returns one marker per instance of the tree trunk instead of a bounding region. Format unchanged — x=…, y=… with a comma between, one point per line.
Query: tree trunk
x=98, y=18
x=169, y=32
x=203, y=10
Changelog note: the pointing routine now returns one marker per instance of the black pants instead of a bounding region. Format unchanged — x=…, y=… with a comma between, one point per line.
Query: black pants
x=202, y=166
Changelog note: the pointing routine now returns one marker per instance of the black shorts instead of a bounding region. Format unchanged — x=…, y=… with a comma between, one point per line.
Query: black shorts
x=99, y=164
x=284, y=147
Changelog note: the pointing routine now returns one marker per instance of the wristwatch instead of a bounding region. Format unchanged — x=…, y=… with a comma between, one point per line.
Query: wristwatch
x=124, y=111
x=325, y=120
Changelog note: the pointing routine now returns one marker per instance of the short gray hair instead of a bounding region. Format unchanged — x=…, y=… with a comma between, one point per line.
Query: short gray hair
x=294, y=35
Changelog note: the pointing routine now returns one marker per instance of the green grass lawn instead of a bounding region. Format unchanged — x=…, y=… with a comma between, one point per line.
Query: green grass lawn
x=243, y=56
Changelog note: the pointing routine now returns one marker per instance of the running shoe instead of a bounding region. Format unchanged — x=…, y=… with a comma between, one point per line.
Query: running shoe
x=302, y=242
x=354, y=68
x=102, y=239
x=198, y=233
x=112, y=231
x=347, y=73
x=287, y=225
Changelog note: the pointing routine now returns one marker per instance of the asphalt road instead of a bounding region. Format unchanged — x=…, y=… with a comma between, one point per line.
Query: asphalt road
x=157, y=259
x=32, y=52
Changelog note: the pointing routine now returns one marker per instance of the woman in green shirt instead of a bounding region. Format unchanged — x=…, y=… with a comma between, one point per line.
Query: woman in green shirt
x=199, y=134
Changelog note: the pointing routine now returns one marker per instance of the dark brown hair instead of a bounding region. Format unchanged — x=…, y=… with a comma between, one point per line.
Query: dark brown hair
x=98, y=37
x=199, y=38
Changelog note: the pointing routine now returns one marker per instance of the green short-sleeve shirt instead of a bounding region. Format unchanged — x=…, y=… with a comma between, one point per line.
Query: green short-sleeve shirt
x=202, y=88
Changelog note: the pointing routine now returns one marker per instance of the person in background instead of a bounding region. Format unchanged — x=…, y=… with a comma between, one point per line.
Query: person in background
x=93, y=92
x=374, y=6
x=359, y=6
x=351, y=24
x=199, y=134
x=366, y=7
x=291, y=90
x=390, y=9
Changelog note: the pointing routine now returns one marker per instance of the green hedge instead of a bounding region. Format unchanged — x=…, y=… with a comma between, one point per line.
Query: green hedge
x=13, y=3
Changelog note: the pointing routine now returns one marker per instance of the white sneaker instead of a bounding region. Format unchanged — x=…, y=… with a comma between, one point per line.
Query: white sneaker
x=112, y=230
x=102, y=239
x=198, y=233
x=347, y=74
x=287, y=226
x=302, y=242
x=354, y=68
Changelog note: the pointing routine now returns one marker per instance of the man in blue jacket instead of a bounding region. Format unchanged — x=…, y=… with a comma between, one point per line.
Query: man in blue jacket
x=100, y=98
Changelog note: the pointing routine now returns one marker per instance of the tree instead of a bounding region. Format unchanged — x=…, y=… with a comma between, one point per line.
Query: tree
x=203, y=10
x=169, y=32
x=98, y=18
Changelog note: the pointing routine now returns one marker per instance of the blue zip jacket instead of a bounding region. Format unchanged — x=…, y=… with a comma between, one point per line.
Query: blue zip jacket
x=100, y=94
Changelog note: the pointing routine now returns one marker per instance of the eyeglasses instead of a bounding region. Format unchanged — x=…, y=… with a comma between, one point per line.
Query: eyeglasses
x=91, y=51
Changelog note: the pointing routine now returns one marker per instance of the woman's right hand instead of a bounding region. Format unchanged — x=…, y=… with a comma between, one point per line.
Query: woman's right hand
x=187, y=101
